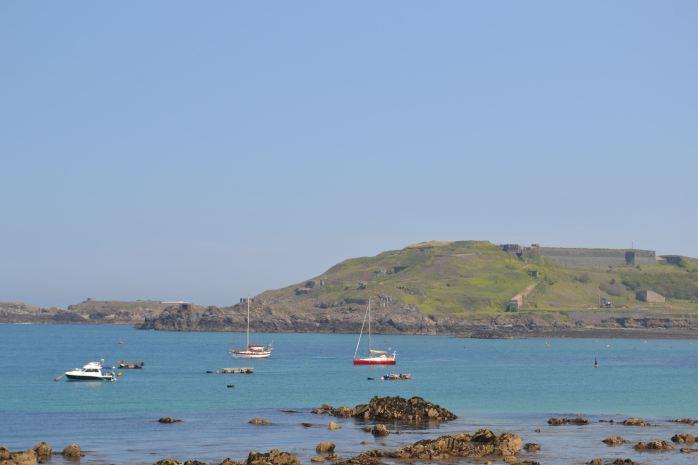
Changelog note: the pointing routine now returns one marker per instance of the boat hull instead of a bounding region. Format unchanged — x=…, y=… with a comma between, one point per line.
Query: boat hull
x=72, y=377
x=249, y=354
x=373, y=361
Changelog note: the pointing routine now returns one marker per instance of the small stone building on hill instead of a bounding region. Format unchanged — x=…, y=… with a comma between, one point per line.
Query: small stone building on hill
x=650, y=297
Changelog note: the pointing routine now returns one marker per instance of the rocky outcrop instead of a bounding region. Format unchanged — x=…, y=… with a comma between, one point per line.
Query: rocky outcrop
x=380, y=430
x=325, y=447
x=614, y=441
x=73, y=451
x=658, y=445
x=27, y=457
x=484, y=443
x=42, y=451
x=88, y=311
x=636, y=422
x=683, y=438
x=568, y=421
x=273, y=457
x=395, y=408
x=686, y=421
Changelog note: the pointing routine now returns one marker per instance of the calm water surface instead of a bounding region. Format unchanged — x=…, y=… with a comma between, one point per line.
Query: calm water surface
x=512, y=385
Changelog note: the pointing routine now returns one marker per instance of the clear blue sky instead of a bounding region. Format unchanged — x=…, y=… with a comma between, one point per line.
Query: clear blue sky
x=209, y=150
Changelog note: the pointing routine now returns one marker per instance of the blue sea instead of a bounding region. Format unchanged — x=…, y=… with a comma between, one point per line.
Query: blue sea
x=512, y=385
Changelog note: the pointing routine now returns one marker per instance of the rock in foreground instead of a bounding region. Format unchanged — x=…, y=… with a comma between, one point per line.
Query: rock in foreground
x=273, y=457
x=484, y=443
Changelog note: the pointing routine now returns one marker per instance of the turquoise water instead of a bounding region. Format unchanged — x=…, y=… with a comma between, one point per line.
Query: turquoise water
x=510, y=383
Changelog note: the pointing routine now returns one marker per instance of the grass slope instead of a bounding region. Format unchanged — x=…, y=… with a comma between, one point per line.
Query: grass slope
x=476, y=278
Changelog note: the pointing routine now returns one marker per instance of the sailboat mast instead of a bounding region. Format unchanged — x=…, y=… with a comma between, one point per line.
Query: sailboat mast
x=360, y=334
x=369, y=325
x=248, y=322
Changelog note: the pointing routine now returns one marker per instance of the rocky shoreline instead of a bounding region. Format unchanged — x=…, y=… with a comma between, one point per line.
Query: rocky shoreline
x=396, y=320
x=482, y=446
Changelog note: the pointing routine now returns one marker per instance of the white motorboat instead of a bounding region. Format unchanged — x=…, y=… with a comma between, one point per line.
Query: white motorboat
x=90, y=372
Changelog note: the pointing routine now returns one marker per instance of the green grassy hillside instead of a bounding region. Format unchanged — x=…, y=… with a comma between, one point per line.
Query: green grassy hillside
x=472, y=278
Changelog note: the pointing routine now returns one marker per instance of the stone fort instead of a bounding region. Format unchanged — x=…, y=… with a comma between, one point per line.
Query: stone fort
x=566, y=256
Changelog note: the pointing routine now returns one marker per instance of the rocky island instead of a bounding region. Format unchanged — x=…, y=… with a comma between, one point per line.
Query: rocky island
x=461, y=288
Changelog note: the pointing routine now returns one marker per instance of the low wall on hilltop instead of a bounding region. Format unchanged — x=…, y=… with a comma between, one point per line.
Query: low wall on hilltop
x=563, y=256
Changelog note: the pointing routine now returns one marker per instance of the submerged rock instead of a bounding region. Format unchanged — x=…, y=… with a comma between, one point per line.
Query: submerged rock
x=688, y=450
x=72, y=451
x=612, y=462
x=568, y=421
x=317, y=459
x=531, y=447
x=686, y=421
x=658, y=445
x=168, y=420
x=614, y=441
x=259, y=421
x=273, y=457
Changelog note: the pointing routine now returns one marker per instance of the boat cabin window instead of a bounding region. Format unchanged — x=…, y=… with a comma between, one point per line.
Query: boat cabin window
x=91, y=370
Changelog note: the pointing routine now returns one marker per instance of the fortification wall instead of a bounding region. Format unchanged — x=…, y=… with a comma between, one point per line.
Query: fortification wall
x=563, y=256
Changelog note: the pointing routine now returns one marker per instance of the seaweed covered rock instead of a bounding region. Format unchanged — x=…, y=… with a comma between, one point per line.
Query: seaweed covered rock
x=395, y=408
x=484, y=443
x=658, y=445
x=568, y=421
x=398, y=408
x=273, y=457
x=614, y=441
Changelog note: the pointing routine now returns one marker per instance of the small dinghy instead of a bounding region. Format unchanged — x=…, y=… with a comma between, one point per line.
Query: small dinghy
x=90, y=372
x=130, y=365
